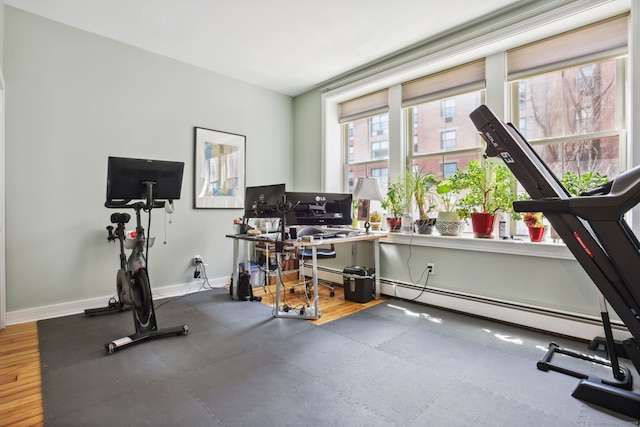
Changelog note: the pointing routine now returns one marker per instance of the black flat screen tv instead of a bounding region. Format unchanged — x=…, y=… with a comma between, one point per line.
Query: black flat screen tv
x=127, y=179
x=318, y=208
x=264, y=201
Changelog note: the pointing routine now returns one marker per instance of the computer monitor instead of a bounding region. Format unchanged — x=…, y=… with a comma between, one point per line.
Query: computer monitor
x=318, y=208
x=128, y=179
x=264, y=201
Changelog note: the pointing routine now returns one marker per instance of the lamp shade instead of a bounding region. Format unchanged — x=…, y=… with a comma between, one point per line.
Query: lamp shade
x=367, y=188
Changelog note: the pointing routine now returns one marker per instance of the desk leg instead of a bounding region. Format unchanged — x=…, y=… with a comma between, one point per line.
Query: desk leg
x=309, y=313
x=276, y=303
x=235, y=277
x=376, y=264
x=314, y=254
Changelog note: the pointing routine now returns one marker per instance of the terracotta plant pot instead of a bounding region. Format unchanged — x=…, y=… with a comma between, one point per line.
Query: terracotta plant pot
x=482, y=223
x=394, y=224
x=536, y=233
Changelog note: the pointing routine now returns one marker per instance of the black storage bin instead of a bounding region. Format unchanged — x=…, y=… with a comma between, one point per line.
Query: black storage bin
x=358, y=283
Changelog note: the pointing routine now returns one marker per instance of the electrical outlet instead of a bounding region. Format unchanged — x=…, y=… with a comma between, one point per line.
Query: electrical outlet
x=431, y=268
x=197, y=259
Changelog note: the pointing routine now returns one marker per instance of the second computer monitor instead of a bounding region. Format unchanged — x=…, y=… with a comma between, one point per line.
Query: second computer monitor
x=318, y=208
x=264, y=201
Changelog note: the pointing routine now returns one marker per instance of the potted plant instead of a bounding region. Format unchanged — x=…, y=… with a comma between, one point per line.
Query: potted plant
x=533, y=221
x=395, y=202
x=449, y=222
x=375, y=218
x=490, y=189
x=577, y=183
x=422, y=187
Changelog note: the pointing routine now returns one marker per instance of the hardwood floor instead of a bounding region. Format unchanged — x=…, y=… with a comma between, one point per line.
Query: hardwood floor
x=20, y=371
x=20, y=376
x=332, y=308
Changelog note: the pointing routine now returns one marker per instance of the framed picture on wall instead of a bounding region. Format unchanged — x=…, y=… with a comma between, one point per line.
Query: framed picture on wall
x=219, y=172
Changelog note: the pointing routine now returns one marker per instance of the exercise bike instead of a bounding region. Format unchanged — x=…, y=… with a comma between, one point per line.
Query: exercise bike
x=132, y=282
x=132, y=279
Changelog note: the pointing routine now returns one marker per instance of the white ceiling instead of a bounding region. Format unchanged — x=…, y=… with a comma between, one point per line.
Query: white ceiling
x=288, y=46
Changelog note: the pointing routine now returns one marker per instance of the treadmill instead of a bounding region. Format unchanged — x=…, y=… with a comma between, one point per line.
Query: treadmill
x=593, y=228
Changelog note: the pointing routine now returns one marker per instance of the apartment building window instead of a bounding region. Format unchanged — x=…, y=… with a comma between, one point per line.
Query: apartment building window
x=438, y=107
x=447, y=140
x=572, y=110
x=380, y=149
x=379, y=125
x=448, y=109
x=365, y=123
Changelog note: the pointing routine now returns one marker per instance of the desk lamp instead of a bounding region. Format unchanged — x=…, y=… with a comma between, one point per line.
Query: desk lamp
x=365, y=191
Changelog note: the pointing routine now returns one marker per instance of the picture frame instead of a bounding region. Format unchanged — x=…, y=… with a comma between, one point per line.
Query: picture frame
x=219, y=169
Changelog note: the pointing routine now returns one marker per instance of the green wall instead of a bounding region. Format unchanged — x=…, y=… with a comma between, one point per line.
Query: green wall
x=72, y=100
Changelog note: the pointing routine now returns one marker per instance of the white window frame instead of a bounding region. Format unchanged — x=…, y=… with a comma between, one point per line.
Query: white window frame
x=445, y=55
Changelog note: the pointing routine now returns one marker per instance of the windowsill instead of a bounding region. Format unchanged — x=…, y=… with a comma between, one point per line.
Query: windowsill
x=467, y=242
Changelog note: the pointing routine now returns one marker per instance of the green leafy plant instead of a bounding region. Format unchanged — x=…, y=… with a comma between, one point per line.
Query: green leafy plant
x=577, y=183
x=490, y=188
x=448, y=191
x=422, y=187
x=396, y=199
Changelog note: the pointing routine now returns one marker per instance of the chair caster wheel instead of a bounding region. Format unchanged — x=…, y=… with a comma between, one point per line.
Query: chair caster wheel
x=292, y=291
x=185, y=329
x=332, y=293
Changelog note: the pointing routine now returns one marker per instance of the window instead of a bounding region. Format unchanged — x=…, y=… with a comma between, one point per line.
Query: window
x=380, y=149
x=438, y=108
x=379, y=125
x=572, y=111
x=447, y=140
x=448, y=108
x=565, y=93
x=438, y=143
x=366, y=152
x=365, y=124
x=449, y=169
x=575, y=129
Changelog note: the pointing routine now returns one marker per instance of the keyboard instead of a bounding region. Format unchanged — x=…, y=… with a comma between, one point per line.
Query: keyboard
x=268, y=236
x=332, y=235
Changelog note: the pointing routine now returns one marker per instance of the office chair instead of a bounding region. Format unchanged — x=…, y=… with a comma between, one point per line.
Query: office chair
x=304, y=253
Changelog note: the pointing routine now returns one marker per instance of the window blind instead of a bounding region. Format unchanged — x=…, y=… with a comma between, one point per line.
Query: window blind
x=465, y=78
x=601, y=40
x=365, y=106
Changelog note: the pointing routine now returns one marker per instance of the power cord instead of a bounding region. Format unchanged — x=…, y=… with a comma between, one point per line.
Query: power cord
x=426, y=269
x=201, y=272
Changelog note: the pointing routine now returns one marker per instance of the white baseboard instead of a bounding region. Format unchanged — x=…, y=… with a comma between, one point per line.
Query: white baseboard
x=75, y=307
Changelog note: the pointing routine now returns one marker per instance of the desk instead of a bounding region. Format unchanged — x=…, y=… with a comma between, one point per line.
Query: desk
x=289, y=245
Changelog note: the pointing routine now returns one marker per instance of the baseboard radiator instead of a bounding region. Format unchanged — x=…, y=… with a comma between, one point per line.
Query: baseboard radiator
x=568, y=324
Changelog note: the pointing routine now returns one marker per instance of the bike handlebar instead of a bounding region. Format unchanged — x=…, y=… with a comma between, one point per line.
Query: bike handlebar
x=116, y=204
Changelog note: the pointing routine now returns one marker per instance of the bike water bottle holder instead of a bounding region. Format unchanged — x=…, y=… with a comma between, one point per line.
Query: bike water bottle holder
x=130, y=242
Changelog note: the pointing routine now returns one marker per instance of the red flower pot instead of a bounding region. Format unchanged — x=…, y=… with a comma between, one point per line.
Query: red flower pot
x=394, y=224
x=536, y=233
x=482, y=223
